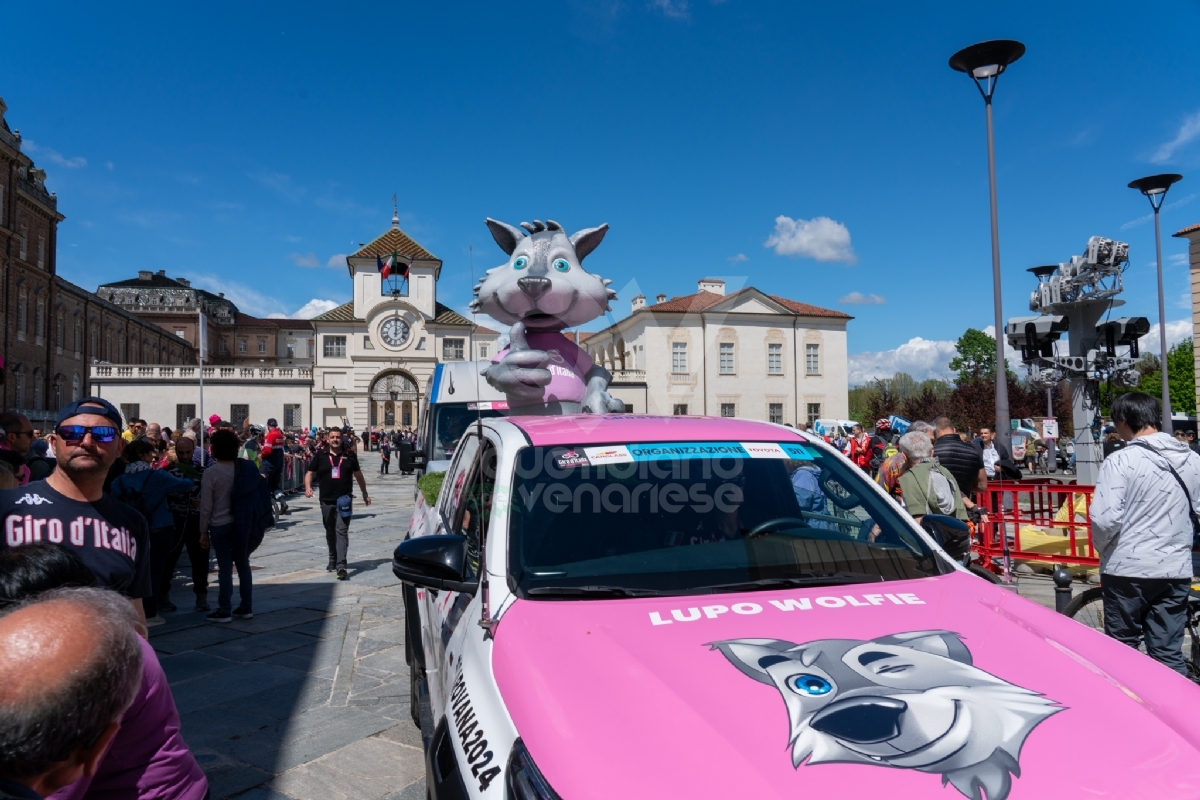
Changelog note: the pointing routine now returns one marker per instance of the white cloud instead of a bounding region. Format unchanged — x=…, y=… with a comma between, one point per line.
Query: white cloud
x=336, y=260
x=740, y=257
x=306, y=260
x=1189, y=130
x=921, y=358
x=860, y=299
x=673, y=9
x=1177, y=260
x=248, y=300
x=110, y=165
x=315, y=307
x=1177, y=331
x=821, y=238
x=53, y=155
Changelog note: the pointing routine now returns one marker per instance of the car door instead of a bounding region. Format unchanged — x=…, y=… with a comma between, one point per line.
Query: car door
x=439, y=607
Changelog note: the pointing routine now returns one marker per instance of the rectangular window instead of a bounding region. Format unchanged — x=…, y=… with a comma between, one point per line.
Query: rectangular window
x=679, y=410
x=679, y=357
x=812, y=359
x=24, y=246
x=41, y=262
x=1, y=203
x=335, y=347
x=130, y=411
x=774, y=359
x=180, y=333
x=223, y=346
x=291, y=416
x=241, y=345
x=367, y=343
x=262, y=345
x=483, y=351
x=183, y=413
x=452, y=349
x=20, y=391
x=238, y=413
x=78, y=339
x=814, y=412
x=775, y=413
x=37, y=393
x=291, y=348
x=726, y=358
x=728, y=410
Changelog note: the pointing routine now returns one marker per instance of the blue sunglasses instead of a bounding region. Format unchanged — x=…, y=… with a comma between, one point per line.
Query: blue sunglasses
x=74, y=434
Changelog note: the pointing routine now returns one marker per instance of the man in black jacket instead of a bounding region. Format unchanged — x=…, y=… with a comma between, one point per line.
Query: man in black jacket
x=963, y=460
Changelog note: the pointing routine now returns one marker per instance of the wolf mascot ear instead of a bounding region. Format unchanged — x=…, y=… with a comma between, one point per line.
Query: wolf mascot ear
x=753, y=656
x=506, y=235
x=939, y=643
x=587, y=240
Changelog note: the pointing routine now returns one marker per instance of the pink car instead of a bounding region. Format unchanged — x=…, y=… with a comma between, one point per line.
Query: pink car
x=643, y=607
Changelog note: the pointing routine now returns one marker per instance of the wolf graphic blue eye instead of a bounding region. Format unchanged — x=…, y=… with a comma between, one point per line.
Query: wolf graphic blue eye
x=810, y=685
x=521, y=263
x=561, y=264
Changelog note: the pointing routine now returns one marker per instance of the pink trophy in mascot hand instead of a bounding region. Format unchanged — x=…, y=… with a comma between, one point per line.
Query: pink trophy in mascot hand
x=540, y=291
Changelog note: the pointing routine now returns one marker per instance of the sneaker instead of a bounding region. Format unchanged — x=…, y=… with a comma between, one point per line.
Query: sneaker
x=219, y=616
x=341, y=575
x=166, y=605
x=242, y=613
x=201, y=604
x=155, y=620
x=331, y=566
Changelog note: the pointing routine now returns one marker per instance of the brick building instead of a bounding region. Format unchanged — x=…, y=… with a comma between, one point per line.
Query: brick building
x=53, y=329
x=234, y=338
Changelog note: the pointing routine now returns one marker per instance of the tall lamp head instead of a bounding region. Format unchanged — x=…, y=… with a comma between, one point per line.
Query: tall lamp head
x=985, y=62
x=1155, y=187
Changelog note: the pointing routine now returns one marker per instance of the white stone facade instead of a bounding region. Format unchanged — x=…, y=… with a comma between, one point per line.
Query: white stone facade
x=747, y=354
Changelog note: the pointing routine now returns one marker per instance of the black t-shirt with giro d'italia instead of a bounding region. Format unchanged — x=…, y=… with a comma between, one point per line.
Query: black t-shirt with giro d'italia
x=110, y=537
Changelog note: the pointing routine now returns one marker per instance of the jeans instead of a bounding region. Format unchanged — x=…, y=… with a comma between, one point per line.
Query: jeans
x=1151, y=608
x=383, y=464
x=231, y=547
x=187, y=534
x=337, y=534
x=276, y=473
x=161, y=542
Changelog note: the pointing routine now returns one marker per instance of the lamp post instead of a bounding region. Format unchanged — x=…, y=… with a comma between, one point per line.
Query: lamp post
x=985, y=62
x=1155, y=188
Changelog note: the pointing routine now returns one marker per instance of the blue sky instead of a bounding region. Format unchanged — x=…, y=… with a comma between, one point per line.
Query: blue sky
x=824, y=152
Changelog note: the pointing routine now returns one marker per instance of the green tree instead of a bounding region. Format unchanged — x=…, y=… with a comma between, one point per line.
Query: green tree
x=976, y=359
x=1181, y=372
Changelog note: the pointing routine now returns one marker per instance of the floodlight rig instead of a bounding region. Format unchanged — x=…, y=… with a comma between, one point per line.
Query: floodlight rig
x=1072, y=297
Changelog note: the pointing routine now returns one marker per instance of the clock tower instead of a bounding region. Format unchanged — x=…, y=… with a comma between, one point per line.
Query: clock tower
x=376, y=354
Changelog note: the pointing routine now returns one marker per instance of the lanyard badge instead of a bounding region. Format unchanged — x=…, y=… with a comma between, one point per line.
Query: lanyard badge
x=335, y=470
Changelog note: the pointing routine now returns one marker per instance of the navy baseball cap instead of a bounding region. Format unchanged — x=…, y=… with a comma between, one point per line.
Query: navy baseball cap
x=91, y=405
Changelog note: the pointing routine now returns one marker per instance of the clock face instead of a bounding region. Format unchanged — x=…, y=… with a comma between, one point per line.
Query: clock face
x=394, y=331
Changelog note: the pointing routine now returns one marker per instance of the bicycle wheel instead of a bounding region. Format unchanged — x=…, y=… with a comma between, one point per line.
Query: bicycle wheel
x=987, y=575
x=1087, y=607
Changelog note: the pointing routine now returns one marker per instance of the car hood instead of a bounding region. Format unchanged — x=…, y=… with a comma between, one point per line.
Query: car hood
x=899, y=687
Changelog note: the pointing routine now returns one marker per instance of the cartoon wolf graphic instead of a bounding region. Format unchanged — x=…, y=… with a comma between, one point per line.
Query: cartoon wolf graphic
x=908, y=701
x=541, y=290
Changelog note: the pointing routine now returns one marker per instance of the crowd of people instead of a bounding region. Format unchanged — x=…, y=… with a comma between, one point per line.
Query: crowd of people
x=96, y=515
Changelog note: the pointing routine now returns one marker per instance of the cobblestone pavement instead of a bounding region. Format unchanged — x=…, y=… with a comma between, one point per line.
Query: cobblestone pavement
x=309, y=699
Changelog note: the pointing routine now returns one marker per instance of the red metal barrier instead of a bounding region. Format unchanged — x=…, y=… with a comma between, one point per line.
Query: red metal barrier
x=1055, y=517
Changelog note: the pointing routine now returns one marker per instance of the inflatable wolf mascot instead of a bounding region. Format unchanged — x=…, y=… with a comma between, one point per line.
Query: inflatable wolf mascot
x=540, y=291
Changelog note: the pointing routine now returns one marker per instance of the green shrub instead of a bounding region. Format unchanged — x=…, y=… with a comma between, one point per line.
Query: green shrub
x=430, y=485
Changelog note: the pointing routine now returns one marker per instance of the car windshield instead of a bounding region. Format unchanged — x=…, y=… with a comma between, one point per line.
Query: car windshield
x=694, y=517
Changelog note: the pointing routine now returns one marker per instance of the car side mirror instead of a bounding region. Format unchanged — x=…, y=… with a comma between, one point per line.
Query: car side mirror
x=433, y=562
x=952, y=535
x=410, y=458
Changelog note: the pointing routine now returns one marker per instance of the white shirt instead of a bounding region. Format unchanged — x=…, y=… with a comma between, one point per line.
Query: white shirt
x=991, y=457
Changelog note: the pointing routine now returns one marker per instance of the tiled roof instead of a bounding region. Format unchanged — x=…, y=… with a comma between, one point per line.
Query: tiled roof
x=343, y=313
x=1187, y=230
x=701, y=301
x=275, y=322
x=486, y=331
x=448, y=316
x=156, y=281
x=394, y=240
x=578, y=336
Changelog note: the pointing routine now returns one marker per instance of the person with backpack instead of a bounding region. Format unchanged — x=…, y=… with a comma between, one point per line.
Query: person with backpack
x=927, y=487
x=1144, y=524
x=385, y=454
x=232, y=497
x=144, y=489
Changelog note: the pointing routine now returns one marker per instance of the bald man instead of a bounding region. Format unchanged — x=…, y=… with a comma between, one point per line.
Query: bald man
x=70, y=664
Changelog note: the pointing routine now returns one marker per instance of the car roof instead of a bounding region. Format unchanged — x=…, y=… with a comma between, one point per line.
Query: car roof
x=611, y=428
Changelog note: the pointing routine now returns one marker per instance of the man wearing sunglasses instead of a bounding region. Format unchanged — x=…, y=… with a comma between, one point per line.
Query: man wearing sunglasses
x=19, y=436
x=71, y=508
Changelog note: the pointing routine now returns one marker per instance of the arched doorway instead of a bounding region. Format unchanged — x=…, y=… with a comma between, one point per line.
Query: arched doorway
x=394, y=398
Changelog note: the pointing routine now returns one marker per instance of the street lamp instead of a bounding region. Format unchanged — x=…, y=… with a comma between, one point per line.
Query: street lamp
x=985, y=62
x=1155, y=188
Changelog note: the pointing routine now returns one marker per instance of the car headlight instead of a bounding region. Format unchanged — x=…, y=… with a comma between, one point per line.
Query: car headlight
x=524, y=781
